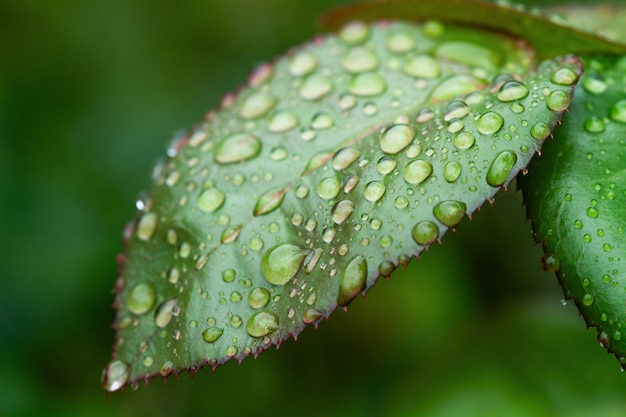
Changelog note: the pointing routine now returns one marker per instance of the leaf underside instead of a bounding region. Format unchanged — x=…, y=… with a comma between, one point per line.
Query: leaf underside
x=576, y=198
x=336, y=164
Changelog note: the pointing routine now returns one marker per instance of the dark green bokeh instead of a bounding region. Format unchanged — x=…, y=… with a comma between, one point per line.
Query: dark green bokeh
x=90, y=91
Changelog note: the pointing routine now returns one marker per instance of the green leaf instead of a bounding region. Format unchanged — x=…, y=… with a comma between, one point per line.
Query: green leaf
x=605, y=19
x=576, y=197
x=336, y=164
x=549, y=37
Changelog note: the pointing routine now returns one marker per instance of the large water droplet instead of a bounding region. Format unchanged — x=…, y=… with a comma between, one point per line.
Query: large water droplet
x=258, y=297
x=425, y=232
x=451, y=171
x=322, y=121
x=281, y=263
x=594, y=84
x=594, y=124
x=558, y=100
x=396, y=138
x=500, y=168
x=468, y=53
x=302, y=64
x=489, y=123
x=618, y=111
x=385, y=165
x=359, y=59
x=374, y=191
x=564, y=76
x=450, y=212
x=344, y=158
x=210, y=200
x=341, y=211
x=367, y=84
x=328, y=188
x=352, y=280
x=164, y=313
x=236, y=148
x=540, y=131
x=256, y=105
x=115, y=375
x=147, y=225
x=464, y=140
x=269, y=201
x=141, y=298
x=211, y=334
x=417, y=171
x=455, y=86
x=512, y=90
x=315, y=87
x=261, y=324
x=283, y=121
x=456, y=109
x=422, y=66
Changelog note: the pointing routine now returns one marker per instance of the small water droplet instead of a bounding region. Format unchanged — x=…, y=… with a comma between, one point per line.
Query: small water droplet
x=256, y=243
x=258, y=297
x=311, y=260
x=464, y=140
x=396, y=138
x=256, y=105
x=367, y=84
x=230, y=233
x=315, y=87
x=228, y=275
x=164, y=313
x=374, y=191
x=450, y=212
x=400, y=43
x=558, y=100
x=417, y=171
x=385, y=165
x=352, y=280
x=425, y=232
x=237, y=148
x=329, y=234
x=281, y=263
x=283, y=121
x=359, y=59
x=512, y=90
x=588, y=300
x=166, y=369
x=594, y=124
x=564, y=76
x=346, y=101
x=328, y=188
x=115, y=375
x=311, y=315
x=455, y=86
x=354, y=33
x=146, y=226
x=617, y=112
x=141, y=298
x=456, y=109
x=210, y=200
x=349, y=182
x=344, y=158
x=489, y=123
x=261, y=324
x=211, y=334
x=278, y=153
x=540, y=131
x=401, y=202
x=341, y=211
x=468, y=53
x=302, y=64
x=386, y=268
x=500, y=168
x=594, y=84
x=269, y=202
x=592, y=212
x=322, y=121
x=317, y=161
x=451, y=171
x=425, y=115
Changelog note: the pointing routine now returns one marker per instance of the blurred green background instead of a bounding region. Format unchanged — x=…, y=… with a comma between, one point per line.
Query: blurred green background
x=89, y=93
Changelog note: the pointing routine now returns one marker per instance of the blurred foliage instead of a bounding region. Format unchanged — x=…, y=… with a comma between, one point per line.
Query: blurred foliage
x=88, y=94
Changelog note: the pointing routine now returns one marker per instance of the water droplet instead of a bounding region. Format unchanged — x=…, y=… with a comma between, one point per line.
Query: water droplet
x=606, y=247
x=256, y=243
x=283, y=121
x=329, y=234
x=166, y=369
x=450, y=212
x=315, y=87
x=425, y=115
x=558, y=100
x=228, y=275
x=344, y=158
x=346, y=101
x=256, y=105
x=311, y=315
x=400, y=43
x=141, y=298
x=456, y=109
x=489, y=123
x=236, y=321
x=317, y=161
x=328, y=188
x=468, y=53
x=451, y=171
x=278, y=153
x=500, y=168
x=269, y=202
x=540, y=131
x=617, y=335
x=230, y=233
x=261, y=324
x=386, y=268
x=311, y=260
x=322, y=121
x=417, y=171
x=422, y=66
x=385, y=165
x=258, y=297
x=281, y=263
x=550, y=263
x=512, y=90
x=210, y=200
x=211, y=334
x=341, y=211
x=236, y=148
x=302, y=64
x=231, y=351
x=349, y=182
x=618, y=111
x=115, y=375
x=594, y=124
x=564, y=76
x=164, y=313
x=146, y=226
x=352, y=280
x=354, y=33
x=464, y=140
x=359, y=59
x=396, y=138
x=455, y=86
x=367, y=84
x=588, y=300
x=401, y=202
x=594, y=84
x=425, y=233
x=592, y=212
x=374, y=191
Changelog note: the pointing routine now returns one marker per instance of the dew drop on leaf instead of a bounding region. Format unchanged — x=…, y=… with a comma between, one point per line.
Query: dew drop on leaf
x=450, y=212
x=146, y=226
x=281, y=263
x=141, y=298
x=315, y=87
x=425, y=232
x=417, y=171
x=352, y=280
x=500, y=168
x=212, y=334
x=236, y=148
x=512, y=90
x=367, y=84
x=261, y=324
x=210, y=200
x=115, y=375
x=396, y=138
x=489, y=123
